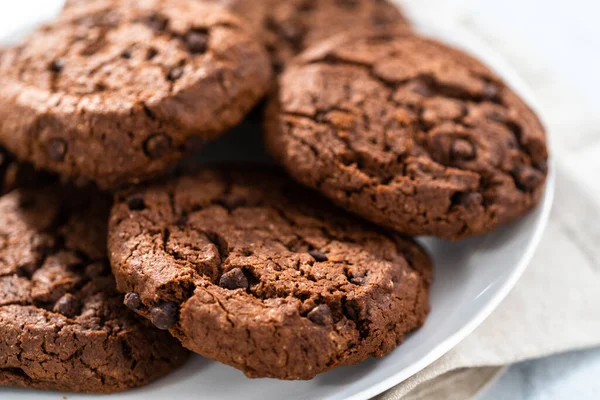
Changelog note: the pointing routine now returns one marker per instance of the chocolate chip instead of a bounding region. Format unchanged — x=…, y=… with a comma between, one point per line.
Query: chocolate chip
x=467, y=200
x=136, y=203
x=358, y=280
x=175, y=73
x=380, y=19
x=151, y=53
x=351, y=312
x=318, y=256
x=306, y=5
x=321, y=315
x=422, y=89
x=127, y=54
x=231, y=202
x=68, y=305
x=490, y=92
x=57, y=148
x=196, y=42
x=496, y=116
x=57, y=65
x=96, y=269
x=158, y=22
x=157, y=145
x=291, y=32
x=234, y=279
x=164, y=316
x=463, y=150
x=528, y=178
x=132, y=301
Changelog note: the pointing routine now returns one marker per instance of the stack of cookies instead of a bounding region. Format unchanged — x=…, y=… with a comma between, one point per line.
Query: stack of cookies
x=116, y=260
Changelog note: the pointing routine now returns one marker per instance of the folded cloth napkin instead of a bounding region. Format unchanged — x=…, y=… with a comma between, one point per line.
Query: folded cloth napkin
x=554, y=308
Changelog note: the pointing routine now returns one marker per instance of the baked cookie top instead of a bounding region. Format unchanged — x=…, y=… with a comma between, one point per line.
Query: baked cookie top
x=116, y=91
x=295, y=25
x=291, y=26
x=246, y=268
x=408, y=133
x=62, y=323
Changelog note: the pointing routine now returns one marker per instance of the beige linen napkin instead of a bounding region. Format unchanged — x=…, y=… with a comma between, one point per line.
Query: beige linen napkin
x=554, y=308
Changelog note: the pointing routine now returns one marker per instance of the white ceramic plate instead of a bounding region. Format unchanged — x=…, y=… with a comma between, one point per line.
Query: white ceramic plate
x=471, y=279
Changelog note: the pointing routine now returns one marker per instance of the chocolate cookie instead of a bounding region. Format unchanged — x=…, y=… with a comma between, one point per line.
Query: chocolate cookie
x=246, y=268
x=117, y=91
x=410, y=134
x=289, y=27
x=62, y=323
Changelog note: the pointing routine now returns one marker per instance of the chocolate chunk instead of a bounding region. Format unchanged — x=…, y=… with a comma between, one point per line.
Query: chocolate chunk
x=196, y=42
x=175, y=73
x=318, y=256
x=157, y=145
x=321, y=315
x=158, y=22
x=467, y=200
x=132, y=301
x=136, y=203
x=306, y=5
x=57, y=65
x=67, y=305
x=151, y=53
x=463, y=150
x=57, y=148
x=164, y=316
x=490, y=92
x=234, y=279
x=351, y=312
x=528, y=178
x=421, y=88
x=127, y=54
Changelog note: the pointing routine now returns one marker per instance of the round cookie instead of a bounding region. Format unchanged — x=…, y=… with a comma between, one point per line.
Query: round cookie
x=246, y=268
x=62, y=323
x=291, y=26
x=117, y=91
x=409, y=134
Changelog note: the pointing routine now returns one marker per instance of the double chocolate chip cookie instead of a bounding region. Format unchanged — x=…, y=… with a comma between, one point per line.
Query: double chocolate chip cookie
x=291, y=26
x=246, y=268
x=117, y=91
x=408, y=133
x=62, y=323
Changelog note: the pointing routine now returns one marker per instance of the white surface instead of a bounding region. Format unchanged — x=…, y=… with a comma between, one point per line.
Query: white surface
x=471, y=279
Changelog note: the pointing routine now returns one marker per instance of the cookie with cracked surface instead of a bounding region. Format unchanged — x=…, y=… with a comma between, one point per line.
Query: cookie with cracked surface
x=117, y=91
x=247, y=268
x=289, y=27
x=293, y=26
x=409, y=134
x=62, y=323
